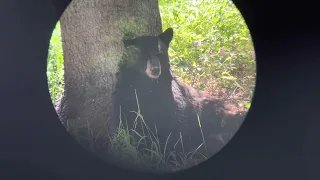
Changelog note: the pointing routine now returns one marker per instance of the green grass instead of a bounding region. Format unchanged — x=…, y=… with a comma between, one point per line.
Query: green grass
x=211, y=51
x=55, y=66
x=212, y=48
x=124, y=145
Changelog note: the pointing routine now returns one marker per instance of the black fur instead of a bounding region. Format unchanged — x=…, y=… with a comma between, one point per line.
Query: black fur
x=166, y=102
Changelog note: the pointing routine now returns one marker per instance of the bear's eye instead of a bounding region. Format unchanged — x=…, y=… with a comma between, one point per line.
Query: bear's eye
x=160, y=49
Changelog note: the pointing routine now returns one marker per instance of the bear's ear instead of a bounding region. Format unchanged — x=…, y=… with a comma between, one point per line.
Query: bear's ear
x=166, y=36
x=128, y=42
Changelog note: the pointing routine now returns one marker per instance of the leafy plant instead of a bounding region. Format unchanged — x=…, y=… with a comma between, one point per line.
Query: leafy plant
x=55, y=66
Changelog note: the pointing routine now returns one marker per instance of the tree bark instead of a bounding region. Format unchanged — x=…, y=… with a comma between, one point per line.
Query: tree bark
x=92, y=33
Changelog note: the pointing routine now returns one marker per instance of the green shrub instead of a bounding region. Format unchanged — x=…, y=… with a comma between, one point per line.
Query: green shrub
x=55, y=62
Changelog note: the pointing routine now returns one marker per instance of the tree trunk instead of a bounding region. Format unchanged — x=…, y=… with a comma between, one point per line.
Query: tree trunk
x=92, y=34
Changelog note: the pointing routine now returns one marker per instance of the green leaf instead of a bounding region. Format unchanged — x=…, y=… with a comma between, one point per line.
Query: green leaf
x=248, y=105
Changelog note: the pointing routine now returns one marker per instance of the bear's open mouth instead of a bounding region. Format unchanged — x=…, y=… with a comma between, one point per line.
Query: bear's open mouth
x=153, y=71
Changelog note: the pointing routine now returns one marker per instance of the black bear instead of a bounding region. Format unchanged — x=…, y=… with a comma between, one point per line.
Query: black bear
x=167, y=105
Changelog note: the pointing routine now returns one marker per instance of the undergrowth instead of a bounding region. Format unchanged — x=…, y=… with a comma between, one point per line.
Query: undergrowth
x=125, y=146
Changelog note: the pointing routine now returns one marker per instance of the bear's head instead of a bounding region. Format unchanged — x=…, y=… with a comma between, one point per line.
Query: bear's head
x=149, y=54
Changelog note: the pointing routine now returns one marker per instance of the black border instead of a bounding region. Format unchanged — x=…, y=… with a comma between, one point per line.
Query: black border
x=278, y=139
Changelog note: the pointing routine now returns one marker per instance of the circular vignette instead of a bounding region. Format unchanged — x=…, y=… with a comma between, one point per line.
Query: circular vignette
x=82, y=74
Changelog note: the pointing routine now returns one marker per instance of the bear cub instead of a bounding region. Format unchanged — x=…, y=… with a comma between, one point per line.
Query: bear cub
x=170, y=109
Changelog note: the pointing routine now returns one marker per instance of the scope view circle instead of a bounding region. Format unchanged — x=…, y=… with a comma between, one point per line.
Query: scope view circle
x=157, y=86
